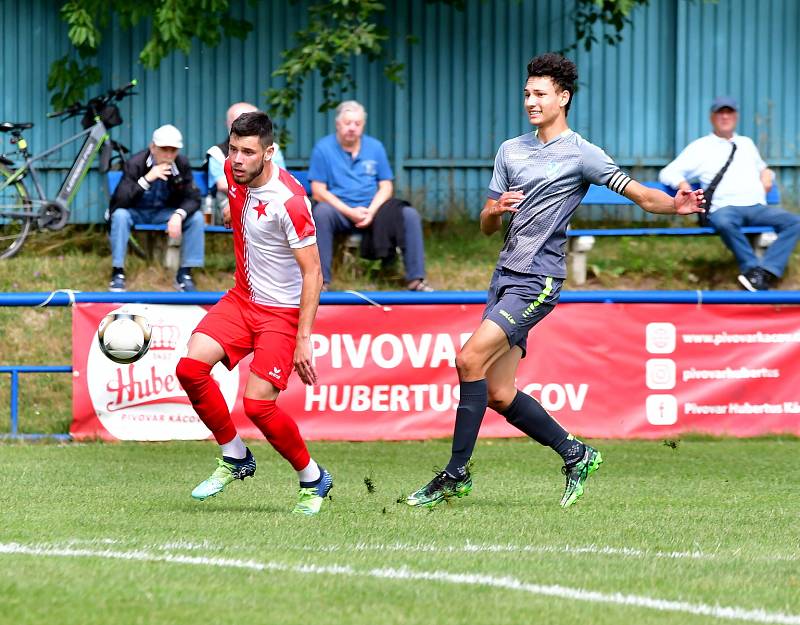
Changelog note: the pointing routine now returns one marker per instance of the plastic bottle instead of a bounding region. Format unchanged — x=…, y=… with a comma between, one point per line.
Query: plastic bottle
x=208, y=209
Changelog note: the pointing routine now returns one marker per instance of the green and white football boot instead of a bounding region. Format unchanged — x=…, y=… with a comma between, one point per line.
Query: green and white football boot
x=226, y=471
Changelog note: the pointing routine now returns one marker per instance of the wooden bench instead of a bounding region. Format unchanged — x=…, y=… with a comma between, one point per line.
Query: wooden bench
x=156, y=245
x=581, y=240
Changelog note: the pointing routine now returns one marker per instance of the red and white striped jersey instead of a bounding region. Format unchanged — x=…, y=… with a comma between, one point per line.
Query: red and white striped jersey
x=268, y=222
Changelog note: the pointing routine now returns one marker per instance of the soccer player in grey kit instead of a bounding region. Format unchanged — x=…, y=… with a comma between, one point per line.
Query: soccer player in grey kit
x=539, y=178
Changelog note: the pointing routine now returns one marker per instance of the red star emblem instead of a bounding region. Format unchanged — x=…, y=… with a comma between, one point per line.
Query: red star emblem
x=261, y=209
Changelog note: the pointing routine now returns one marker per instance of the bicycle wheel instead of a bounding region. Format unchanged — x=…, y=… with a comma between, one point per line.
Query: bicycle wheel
x=13, y=230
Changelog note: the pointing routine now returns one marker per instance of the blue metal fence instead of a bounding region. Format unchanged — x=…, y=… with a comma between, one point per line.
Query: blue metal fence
x=14, y=371
x=397, y=298
x=642, y=101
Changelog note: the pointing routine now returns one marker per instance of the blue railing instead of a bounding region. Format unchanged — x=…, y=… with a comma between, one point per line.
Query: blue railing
x=15, y=370
x=381, y=298
x=397, y=298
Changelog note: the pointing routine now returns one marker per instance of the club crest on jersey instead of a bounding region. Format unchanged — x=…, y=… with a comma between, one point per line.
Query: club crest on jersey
x=370, y=167
x=261, y=209
x=551, y=169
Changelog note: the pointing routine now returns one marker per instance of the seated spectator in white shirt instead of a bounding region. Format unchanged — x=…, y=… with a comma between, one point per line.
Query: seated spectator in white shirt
x=218, y=153
x=740, y=196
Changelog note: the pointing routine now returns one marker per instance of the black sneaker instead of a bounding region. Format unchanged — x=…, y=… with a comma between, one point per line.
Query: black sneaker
x=184, y=282
x=117, y=283
x=755, y=279
x=442, y=487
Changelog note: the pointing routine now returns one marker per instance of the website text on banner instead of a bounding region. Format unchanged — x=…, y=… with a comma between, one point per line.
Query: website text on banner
x=649, y=370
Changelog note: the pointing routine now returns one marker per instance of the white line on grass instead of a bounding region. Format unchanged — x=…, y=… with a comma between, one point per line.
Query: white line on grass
x=176, y=545
x=561, y=549
x=484, y=548
x=473, y=579
x=185, y=545
x=468, y=547
x=93, y=541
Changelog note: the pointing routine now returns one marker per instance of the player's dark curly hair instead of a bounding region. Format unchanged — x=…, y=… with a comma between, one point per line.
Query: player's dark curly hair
x=254, y=124
x=560, y=70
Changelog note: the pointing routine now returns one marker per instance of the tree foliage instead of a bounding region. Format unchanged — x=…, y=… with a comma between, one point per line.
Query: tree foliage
x=589, y=13
x=336, y=32
x=175, y=24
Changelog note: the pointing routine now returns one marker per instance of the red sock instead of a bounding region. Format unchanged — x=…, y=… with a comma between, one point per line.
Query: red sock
x=207, y=399
x=279, y=429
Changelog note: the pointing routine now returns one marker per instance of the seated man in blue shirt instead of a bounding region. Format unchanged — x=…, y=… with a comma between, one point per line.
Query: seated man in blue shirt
x=157, y=187
x=351, y=181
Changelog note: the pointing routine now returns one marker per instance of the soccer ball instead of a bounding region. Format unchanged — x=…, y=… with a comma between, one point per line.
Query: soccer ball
x=124, y=337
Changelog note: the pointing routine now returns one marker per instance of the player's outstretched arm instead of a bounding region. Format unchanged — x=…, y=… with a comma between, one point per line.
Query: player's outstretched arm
x=308, y=260
x=655, y=201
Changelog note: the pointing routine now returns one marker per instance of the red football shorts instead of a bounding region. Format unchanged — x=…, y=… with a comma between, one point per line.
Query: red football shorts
x=241, y=327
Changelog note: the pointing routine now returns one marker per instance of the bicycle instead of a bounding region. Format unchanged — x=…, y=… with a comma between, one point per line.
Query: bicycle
x=19, y=212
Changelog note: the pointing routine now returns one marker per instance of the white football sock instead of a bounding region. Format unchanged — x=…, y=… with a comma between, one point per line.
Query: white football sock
x=234, y=448
x=311, y=473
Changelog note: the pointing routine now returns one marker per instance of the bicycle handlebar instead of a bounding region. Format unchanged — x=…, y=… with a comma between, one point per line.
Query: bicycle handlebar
x=111, y=95
x=121, y=92
x=72, y=109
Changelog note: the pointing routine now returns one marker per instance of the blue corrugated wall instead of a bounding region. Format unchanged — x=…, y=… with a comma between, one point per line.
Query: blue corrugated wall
x=642, y=100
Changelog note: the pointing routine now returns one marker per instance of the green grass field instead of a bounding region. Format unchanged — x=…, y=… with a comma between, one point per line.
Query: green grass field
x=107, y=533
x=706, y=532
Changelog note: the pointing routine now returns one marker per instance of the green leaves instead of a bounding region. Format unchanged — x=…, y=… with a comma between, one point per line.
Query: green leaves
x=175, y=25
x=337, y=31
x=70, y=79
x=610, y=12
x=83, y=30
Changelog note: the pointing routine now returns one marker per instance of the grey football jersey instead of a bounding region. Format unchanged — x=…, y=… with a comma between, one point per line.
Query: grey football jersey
x=554, y=177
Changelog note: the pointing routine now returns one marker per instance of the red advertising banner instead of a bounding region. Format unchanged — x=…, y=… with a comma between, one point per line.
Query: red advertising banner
x=388, y=372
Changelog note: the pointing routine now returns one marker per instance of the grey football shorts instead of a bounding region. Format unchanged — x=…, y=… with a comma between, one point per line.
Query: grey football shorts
x=518, y=301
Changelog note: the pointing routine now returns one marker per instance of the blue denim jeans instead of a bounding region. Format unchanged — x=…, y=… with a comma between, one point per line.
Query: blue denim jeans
x=192, y=242
x=728, y=219
x=331, y=222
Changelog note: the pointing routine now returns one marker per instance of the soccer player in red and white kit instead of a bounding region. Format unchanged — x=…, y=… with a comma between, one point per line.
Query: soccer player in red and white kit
x=268, y=312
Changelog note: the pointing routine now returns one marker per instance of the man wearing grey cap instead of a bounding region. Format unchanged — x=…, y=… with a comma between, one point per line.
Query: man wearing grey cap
x=157, y=187
x=736, y=181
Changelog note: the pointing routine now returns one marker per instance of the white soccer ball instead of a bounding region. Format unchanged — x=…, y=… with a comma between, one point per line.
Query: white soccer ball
x=124, y=337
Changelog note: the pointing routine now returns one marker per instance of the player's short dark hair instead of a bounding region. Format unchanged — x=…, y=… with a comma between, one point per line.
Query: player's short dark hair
x=560, y=70
x=254, y=124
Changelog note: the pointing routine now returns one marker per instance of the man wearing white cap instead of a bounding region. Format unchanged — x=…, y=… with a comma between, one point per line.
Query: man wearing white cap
x=736, y=181
x=157, y=187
